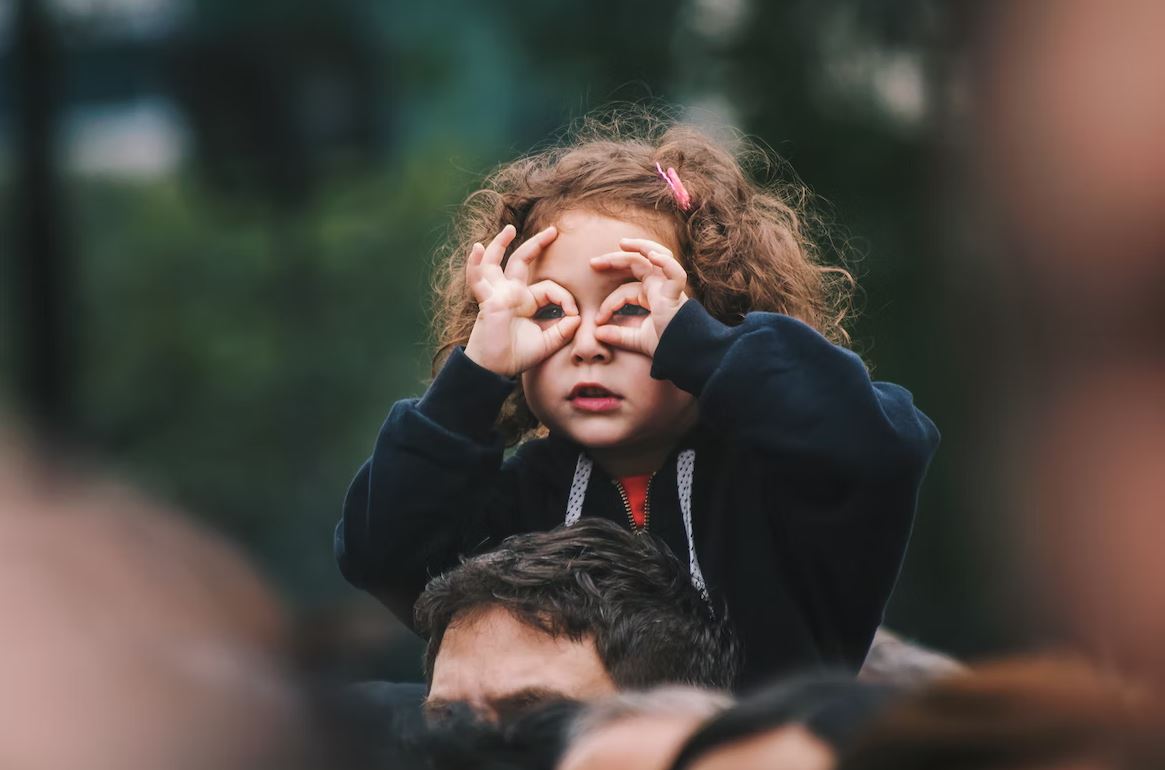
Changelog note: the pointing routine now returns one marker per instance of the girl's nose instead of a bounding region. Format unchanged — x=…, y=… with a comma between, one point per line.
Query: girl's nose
x=585, y=347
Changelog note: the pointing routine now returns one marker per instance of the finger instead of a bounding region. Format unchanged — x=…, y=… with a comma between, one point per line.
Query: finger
x=626, y=337
x=474, y=275
x=670, y=266
x=546, y=292
x=627, y=293
x=518, y=266
x=639, y=265
x=561, y=333
x=497, y=247
x=643, y=245
x=473, y=262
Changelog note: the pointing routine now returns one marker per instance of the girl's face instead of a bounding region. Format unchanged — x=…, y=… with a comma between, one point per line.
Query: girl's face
x=601, y=396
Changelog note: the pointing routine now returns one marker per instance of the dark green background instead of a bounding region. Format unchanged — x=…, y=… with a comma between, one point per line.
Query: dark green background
x=237, y=329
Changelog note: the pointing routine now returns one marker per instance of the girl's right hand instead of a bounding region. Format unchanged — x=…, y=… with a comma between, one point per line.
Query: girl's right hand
x=509, y=337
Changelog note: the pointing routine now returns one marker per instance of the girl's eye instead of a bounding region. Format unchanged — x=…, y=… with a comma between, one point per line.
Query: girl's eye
x=632, y=310
x=548, y=313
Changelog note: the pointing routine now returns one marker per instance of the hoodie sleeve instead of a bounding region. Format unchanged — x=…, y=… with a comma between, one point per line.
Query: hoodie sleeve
x=422, y=499
x=778, y=386
x=836, y=459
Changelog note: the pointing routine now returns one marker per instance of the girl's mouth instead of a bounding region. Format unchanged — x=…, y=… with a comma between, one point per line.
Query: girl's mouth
x=591, y=397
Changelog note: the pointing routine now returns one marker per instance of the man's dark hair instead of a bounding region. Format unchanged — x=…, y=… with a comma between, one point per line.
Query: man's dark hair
x=595, y=579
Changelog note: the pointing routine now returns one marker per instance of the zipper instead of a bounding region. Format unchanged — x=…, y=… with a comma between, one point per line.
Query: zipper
x=627, y=506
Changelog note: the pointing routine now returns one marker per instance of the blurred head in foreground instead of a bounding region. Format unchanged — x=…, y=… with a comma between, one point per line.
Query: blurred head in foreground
x=1036, y=714
x=1072, y=154
x=895, y=660
x=531, y=740
x=639, y=730
x=128, y=638
x=578, y=612
x=802, y=723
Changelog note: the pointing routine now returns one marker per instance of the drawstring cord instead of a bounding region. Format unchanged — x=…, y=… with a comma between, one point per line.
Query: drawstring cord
x=685, y=469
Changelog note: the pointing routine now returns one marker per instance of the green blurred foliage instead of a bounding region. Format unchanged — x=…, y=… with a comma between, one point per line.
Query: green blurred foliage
x=238, y=358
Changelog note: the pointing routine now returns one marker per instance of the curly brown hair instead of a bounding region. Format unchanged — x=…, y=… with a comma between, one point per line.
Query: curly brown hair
x=746, y=244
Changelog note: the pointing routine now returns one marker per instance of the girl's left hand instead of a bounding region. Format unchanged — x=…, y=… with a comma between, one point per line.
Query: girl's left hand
x=659, y=289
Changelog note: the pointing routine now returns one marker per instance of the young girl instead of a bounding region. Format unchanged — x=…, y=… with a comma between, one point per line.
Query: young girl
x=655, y=332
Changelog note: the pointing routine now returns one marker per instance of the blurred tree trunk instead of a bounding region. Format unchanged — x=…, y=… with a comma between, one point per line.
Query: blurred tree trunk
x=43, y=286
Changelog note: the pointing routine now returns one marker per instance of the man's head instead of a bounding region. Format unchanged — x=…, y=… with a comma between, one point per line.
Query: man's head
x=576, y=612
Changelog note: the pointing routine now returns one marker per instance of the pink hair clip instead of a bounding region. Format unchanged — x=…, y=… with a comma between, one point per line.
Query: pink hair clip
x=677, y=187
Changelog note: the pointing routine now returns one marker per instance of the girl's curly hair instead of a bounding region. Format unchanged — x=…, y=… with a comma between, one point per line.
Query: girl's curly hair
x=746, y=245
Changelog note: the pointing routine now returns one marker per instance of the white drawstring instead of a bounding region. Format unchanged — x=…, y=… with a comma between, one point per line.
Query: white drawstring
x=685, y=469
x=578, y=489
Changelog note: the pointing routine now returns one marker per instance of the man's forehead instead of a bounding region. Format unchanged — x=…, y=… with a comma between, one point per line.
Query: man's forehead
x=490, y=655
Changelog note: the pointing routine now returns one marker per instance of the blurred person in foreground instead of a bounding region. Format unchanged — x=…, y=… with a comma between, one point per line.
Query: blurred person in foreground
x=895, y=660
x=1072, y=151
x=574, y=613
x=533, y=739
x=130, y=639
x=1037, y=714
x=639, y=730
x=801, y=723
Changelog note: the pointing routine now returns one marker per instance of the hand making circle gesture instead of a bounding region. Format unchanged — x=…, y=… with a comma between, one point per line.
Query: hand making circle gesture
x=658, y=288
x=507, y=337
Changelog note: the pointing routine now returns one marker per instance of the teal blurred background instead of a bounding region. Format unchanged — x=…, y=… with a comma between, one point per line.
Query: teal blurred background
x=238, y=203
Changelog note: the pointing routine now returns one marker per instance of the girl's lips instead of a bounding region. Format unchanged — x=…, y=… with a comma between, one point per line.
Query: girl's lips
x=591, y=390
x=595, y=403
x=593, y=397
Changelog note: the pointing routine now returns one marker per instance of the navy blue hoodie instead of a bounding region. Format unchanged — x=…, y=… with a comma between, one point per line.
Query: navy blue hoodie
x=806, y=477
